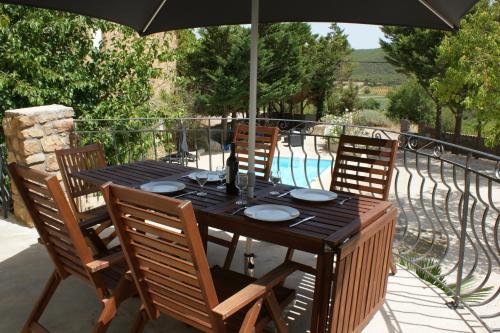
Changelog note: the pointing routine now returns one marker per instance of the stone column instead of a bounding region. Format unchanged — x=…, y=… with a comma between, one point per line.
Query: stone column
x=32, y=135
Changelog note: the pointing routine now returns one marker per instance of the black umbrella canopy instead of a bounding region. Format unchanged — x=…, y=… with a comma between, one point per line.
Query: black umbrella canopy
x=150, y=16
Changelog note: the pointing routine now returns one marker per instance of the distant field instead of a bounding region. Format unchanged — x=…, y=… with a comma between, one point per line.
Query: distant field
x=374, y=73
x=378, y=93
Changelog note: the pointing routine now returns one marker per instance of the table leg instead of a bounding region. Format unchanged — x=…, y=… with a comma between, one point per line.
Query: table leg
x=322, y=290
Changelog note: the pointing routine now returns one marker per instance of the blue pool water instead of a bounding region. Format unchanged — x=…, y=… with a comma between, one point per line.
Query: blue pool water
x=286, y=165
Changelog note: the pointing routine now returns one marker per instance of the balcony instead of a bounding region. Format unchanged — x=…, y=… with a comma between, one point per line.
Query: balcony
x=447, y=232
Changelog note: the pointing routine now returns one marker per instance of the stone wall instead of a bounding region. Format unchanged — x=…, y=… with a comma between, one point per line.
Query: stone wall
x=32, y=135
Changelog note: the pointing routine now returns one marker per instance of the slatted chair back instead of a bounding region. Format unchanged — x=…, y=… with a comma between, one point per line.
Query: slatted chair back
x=360, y=277
x=364, y=166
x=164, y=251
x=265, y=144
x=54, y=220
x=77, y=159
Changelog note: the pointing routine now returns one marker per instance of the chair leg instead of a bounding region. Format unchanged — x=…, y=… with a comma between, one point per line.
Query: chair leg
x=231, y=251
x=248, y=324
x=140, y=322
x=289, y=254
x=123, y=290
x=273, y=308
x=95, y=242
x=103, y=227
x=107, y=314
x=392, y=265
x=42, y=301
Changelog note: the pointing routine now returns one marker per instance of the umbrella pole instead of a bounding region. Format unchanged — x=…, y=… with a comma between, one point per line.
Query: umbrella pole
x=252, y=110
x=252, y=103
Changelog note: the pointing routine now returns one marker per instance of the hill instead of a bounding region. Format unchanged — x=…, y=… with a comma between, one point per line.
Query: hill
x=374, y=73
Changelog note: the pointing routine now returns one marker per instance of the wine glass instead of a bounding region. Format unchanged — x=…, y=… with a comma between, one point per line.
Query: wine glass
x=221, y=173
x=242, y=185
x=201, y=178
x=275, y=179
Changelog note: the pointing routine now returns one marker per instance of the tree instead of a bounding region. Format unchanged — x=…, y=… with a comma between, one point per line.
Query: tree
x=414, y=51
x=472, y=78
x=410, y=101
x=328, y=66
x=295, y=67
x=49, y=57
x=284, y=70
x=344, y=99
x=41, y=56
x=216, y=70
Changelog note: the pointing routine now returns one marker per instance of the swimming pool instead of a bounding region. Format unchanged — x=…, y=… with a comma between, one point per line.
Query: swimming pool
x=286, y=165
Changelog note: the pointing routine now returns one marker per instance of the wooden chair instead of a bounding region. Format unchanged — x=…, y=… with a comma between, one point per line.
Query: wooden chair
x=59, y=231
x=166, y=258
x=363, y=167
x=266, y=139
x=360, y=276
x=78, y=159
x=265, y=143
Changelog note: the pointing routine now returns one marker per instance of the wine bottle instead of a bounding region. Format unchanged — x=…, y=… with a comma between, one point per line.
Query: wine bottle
x=231, y=172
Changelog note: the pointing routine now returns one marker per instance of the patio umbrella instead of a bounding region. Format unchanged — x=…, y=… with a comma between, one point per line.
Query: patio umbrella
x=150, y=16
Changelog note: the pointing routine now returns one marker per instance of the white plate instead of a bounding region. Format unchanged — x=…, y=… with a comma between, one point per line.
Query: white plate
x=313, y=195
x=271, y=213
x=163, y=186
x=212, y=176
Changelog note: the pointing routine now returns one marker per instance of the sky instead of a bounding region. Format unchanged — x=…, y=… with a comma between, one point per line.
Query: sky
x=360, y=36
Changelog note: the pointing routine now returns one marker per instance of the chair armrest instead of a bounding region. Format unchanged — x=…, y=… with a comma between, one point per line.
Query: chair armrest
x=105, y=262
x=93, y=221
x=254, y=291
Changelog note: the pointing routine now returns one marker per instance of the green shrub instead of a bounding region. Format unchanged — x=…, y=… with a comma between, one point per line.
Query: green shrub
x=370, y=104
x=336, y=125
x=447, y=120
x=410, y=101
x=373, y=118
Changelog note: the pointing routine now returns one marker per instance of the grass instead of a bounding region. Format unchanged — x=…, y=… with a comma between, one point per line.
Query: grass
x=373, y=118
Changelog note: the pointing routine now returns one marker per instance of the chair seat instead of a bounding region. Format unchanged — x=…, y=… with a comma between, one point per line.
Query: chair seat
x=113, y=274
x=96, y=211
x=227, y=283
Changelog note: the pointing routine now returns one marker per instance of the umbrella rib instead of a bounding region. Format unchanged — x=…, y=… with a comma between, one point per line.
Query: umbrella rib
x=438, y=14
x=146, y=27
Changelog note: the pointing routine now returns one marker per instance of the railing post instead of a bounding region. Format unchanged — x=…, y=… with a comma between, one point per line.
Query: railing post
x=154, y=144
x=209, y=133
x=3, y=184
x=463, y=234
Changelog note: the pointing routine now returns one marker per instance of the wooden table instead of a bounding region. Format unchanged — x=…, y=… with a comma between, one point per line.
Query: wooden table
x=333, y=223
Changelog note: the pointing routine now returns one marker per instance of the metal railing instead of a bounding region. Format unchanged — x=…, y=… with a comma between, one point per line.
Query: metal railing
x=5, y=191
x=448, y=196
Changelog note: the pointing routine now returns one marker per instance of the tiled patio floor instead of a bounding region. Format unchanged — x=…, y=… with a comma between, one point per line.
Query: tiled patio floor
x=411, y=305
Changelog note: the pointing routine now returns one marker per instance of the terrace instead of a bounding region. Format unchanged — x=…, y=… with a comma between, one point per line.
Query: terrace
x=447, y=229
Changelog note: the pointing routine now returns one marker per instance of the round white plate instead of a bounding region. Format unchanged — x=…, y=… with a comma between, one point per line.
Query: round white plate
x=313, y=195
x=163, y=186
x=271, y=213
x=212, y=176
